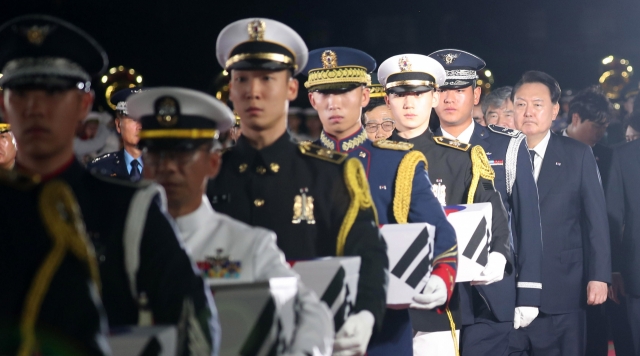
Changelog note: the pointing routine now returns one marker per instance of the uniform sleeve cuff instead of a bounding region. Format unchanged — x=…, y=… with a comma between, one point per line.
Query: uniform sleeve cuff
x=528, y=294
x=448, y=275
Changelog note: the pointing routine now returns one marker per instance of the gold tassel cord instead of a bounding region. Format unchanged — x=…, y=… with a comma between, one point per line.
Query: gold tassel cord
x=404, y=185
x=358, y=188
x=480, y=168
x=61, y=216
x=453, y=332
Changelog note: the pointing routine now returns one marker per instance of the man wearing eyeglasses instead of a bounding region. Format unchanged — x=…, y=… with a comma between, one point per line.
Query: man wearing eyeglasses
x=377, y=117
x=388, y=165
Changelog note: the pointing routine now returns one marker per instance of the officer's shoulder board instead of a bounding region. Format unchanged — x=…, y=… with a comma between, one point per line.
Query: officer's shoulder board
x=504, y=130
x=309, y=149
x=443, y=141
x=106, y=155
x=17, y=180
x=393, y=145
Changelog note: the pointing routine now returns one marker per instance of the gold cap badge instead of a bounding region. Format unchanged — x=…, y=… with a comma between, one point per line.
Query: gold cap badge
x=256, y=30
x=167, y=111
x=404, y=64
x=329, y=59
x=37, y=34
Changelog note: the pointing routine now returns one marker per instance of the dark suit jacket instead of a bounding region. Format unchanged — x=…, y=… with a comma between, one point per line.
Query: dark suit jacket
x=110, y=165
x=623, y=206
x=522, y=207
x=603, y=159
x=570, y=191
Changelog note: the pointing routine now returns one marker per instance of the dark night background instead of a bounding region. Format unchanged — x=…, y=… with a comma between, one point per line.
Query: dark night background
x=172, y=42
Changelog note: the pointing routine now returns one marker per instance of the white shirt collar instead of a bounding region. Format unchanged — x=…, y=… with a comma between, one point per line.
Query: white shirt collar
x=190, y=223
x=541, y=148
x=465, y=136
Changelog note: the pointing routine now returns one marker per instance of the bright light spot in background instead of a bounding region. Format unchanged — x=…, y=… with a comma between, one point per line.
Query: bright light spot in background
x=607, y=60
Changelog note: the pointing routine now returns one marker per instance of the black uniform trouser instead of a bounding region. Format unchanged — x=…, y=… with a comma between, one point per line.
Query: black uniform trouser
x=551, y=335
x=486, y=336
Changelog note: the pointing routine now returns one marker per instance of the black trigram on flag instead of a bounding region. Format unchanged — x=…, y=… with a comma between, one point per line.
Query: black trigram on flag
x=477, y=242
x=410, y=255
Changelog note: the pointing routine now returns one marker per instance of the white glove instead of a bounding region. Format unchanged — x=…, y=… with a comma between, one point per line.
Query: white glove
x=434, y=294
x=353, y=337
x=524, y=316
x=493, y=271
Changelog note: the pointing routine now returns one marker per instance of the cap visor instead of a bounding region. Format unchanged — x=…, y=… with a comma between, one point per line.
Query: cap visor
x=409, y=89
x=259, y=64
x=42, y=82
x=172, y=144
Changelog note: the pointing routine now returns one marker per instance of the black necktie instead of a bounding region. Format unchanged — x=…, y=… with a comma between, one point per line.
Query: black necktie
x=135, y=172
x=533, y=158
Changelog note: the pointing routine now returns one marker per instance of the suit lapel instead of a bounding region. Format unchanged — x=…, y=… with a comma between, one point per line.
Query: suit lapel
x=552, y=166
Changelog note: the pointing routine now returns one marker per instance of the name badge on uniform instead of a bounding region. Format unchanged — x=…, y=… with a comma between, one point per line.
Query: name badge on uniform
x=303, y=208
x=440, y=191
x=496, y=162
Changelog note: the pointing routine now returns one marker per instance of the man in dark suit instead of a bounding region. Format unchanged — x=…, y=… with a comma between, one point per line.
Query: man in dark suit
x=127, y=163
x=576, y=257
x=623, y=206
x=488, y=311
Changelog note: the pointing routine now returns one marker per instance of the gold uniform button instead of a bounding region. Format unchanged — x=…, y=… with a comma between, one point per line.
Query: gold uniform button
x=274, y=167
x=261, y=170
x=243, y=167
x=258, y=202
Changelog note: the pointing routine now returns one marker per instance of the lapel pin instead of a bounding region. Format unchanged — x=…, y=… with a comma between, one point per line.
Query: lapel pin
x=558, y=164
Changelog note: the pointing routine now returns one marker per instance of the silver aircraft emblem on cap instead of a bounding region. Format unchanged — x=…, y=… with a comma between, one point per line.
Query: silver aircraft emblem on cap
x=449, y=57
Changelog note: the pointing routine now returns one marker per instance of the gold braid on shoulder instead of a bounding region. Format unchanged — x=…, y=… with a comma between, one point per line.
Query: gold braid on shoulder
x=404, y=184
x=358, y=187
x=62, y=219
x=480, y=168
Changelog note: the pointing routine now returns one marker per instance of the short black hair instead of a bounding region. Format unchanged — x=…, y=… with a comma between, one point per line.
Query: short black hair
x=534, y=76
x=591, y=104
x=373, y=103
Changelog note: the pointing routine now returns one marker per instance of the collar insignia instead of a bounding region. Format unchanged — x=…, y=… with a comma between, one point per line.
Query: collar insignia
x=256, y=30
x=404, y=64
x=37, y=34
x=449, y=57
x=329, y=59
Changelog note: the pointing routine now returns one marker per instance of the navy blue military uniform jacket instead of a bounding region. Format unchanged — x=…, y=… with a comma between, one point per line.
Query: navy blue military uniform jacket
x=509, y=157
x=166, y=273
x=110, y=165
x=268, y=187
x=570, y=191
x=71, y=315
x=450, y=165
x=623, y=206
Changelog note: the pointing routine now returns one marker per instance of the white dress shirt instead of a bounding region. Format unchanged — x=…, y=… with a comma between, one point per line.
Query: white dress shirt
x=540, y=149
x=465, y=136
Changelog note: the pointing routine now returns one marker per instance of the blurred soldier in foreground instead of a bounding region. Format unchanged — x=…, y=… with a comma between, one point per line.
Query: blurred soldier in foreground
x=47, y=91
x=183, y=165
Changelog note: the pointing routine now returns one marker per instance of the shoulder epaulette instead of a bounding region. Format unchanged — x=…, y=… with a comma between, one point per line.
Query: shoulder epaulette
x=504, y=130
x=325, y=154
x=17, y=180
x=106, y=155
x=393, y=145
x=452, y=143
